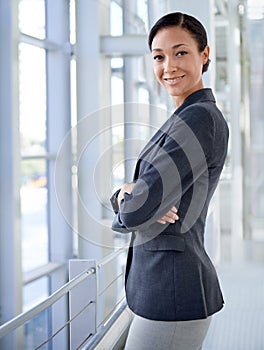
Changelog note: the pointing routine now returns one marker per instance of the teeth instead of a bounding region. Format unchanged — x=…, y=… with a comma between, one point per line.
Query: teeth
x=173, y=80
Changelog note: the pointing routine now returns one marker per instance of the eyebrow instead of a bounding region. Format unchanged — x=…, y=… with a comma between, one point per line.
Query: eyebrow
x=173, y=47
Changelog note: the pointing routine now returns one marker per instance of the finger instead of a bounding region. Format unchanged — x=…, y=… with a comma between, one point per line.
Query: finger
x=171, y=215
x=171, y=220
x=168, y=219
x=160, y=221
x=174, y=209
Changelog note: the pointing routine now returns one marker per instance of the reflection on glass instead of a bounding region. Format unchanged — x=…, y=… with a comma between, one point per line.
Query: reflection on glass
x=36, y=330
x=31, y=17
x=34, y=214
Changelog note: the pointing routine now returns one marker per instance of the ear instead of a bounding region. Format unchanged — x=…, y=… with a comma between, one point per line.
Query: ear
x=205, y=54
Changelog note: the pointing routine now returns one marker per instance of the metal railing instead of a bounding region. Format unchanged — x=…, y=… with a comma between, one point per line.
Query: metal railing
x=83, y=303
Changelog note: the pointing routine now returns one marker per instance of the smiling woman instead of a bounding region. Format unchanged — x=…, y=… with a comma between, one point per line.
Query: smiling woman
x=169, y=276
x=179, y=58
x=178, y=63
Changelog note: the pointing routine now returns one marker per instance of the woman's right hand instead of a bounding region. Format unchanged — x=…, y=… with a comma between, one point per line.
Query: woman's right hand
x=170, y=217
x=126, y=188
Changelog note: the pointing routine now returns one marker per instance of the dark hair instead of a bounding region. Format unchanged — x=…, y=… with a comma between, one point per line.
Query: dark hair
x=190, y=23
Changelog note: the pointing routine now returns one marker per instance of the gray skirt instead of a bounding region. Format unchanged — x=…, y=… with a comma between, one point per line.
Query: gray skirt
x=146, y=334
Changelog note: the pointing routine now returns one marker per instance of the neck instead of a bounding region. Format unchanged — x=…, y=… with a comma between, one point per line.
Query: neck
x=180, y=99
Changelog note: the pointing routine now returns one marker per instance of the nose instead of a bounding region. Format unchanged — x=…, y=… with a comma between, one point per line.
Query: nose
x=170, y=65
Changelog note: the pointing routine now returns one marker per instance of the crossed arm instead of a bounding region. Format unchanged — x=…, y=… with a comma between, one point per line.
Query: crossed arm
x=170, y=217
x=168, y=171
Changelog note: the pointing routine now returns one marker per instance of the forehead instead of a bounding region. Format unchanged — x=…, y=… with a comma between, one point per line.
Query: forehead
x=171, y=36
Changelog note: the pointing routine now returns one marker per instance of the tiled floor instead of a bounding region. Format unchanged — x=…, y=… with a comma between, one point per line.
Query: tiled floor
x=240, y=325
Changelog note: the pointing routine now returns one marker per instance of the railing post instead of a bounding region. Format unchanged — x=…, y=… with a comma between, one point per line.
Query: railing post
x=82, y=297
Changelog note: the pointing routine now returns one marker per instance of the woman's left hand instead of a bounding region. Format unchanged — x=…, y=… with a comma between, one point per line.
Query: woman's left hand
x=170, y=217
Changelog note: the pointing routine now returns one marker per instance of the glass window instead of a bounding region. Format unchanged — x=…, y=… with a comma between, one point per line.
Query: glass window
x=117, y=100
x=31, y=18
x=33, y=196
x=256, y=49
x=32, y=118
x=116, y=19
x=32, y=99
x=35, y=292
x=36, y=330
x=37, y=225
x=142, y=10
x=72, y=22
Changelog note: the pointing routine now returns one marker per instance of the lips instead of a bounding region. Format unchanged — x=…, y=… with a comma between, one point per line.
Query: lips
x=173, y=80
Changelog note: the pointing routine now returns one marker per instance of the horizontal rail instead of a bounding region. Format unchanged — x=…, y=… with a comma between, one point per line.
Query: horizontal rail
x=110, y=284
x=42, y=43
x=65, y=325
x=110, y=257
x=24, y=317
x=47, y=156
x=95, y=340
x=19, y=320
x=130, y=44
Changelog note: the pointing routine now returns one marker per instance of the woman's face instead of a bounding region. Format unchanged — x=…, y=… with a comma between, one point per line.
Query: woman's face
x=178, y=63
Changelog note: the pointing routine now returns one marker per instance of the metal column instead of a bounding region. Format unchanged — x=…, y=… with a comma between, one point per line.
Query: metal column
x=130, y=92
x=58, y=122
x=96, y=239
x=93, y=81
x=234, y=74
x=10, y=233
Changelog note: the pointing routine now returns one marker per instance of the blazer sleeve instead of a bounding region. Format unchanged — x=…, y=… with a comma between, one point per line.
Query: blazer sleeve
x=169, y=170
x=117, y=225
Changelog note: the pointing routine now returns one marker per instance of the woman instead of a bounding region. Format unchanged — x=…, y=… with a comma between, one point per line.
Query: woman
x=171, y=284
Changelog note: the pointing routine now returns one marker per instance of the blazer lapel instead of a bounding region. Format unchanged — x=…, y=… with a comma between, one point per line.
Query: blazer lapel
x=153, y=142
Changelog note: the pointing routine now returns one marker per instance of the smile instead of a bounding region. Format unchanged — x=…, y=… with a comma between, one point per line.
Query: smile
x=172, y=81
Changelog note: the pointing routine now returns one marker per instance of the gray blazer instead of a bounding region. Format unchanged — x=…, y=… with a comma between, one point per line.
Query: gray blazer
x=169, y=275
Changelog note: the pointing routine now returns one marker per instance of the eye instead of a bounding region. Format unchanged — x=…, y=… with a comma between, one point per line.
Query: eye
x=181, y=53
x=157, y=58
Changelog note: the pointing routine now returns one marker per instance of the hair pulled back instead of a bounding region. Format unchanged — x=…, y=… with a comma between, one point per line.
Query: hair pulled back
x=187, y=22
